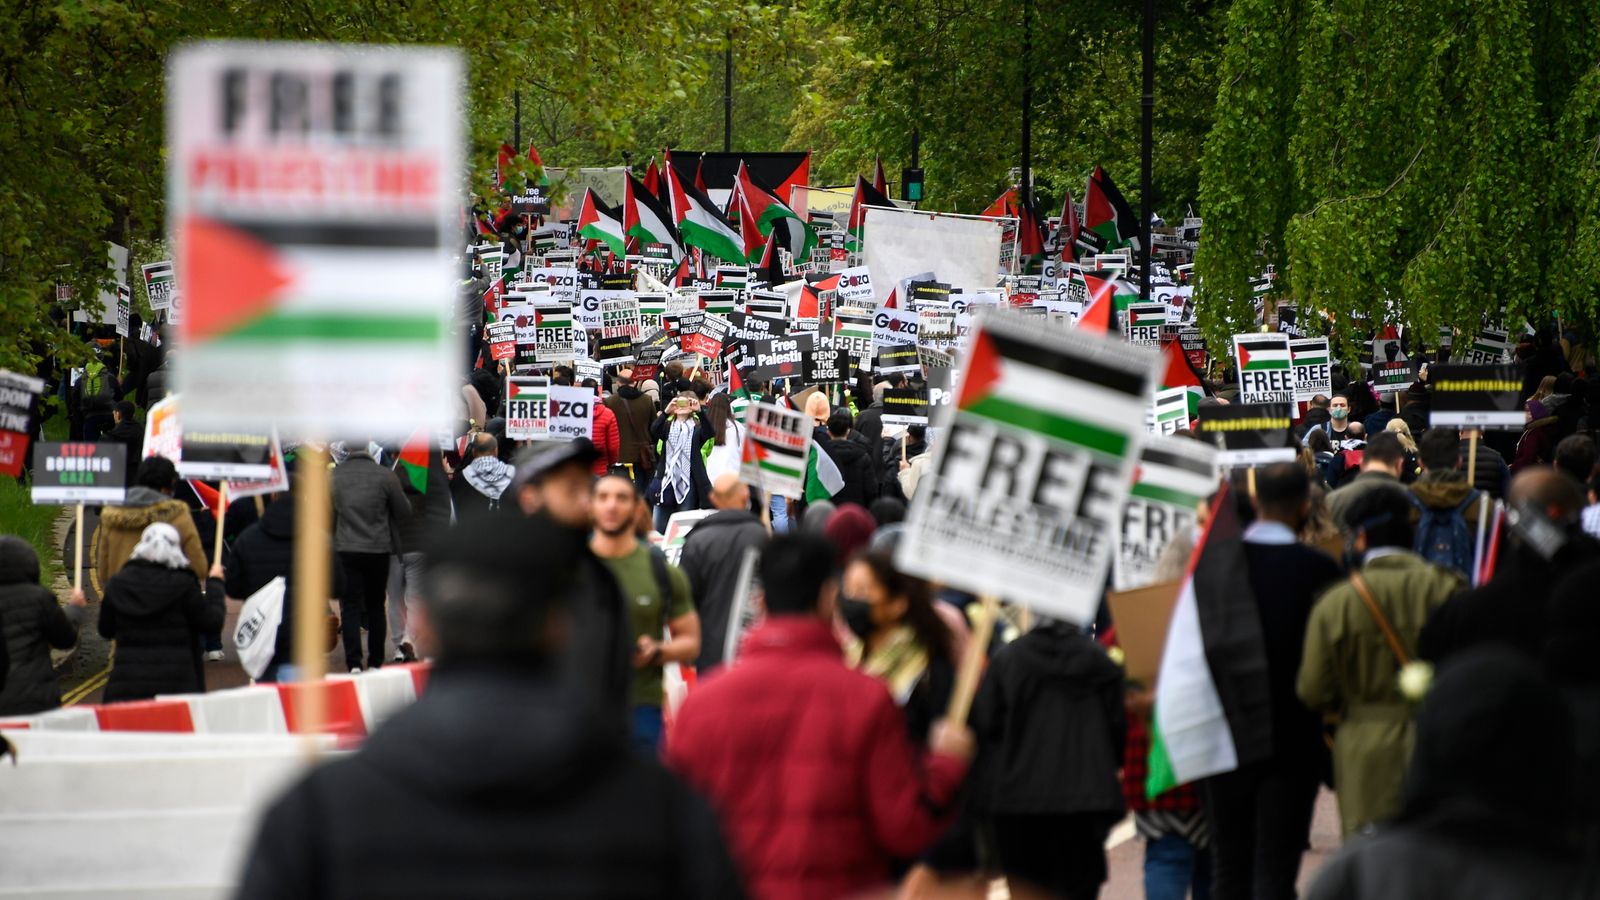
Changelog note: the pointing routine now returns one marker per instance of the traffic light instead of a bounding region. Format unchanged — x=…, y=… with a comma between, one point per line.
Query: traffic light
x=911, y=185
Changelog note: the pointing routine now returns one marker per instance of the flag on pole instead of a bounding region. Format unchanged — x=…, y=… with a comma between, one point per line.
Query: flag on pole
x=701, y=224
x=1179, y=374
x=865, y=196
x=767, y=209
x=1107, y=215
x=1067, y=233
x=822, y=476
x=645, y=217
x=598, y=222
x=1003, y=206
x=880, y=182
x=1213, y=712
x=413, y=462
x=652, y=178
x=1030, y=235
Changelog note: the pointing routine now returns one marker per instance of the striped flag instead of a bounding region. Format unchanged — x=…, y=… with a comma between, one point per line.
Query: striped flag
x=645, y=217
x=599, y=222
x=413, y=461
x=1213, y=713
x=1174, y=475
x=1178, y=374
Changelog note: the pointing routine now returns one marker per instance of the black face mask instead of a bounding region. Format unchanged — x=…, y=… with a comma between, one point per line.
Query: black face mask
x=857, y=615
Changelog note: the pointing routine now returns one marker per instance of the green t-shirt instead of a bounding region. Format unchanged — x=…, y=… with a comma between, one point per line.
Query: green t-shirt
x=637, y=580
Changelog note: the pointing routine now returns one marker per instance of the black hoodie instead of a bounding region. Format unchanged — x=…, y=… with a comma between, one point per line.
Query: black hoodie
x=33, y=623
x=496, y=783
x=157, y=615
x=855, y=466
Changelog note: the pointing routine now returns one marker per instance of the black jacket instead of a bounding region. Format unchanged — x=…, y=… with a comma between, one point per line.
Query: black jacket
x=1050, y=727
x=699, y=481
x=157, y=615
x=430, y=509
x=1286, y=580
x=712, y=556
x=33, y=623
x=263, y=552
x=1490, y=473
x=130, y=433
x=1510, y=608
x=855, y=466
x=496, y=783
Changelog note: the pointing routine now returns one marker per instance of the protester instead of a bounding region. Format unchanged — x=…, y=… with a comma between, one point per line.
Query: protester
x=1448, y=508
x=1408, y=468
x=148, y=501
x=265, y=551
x=1360, y=635
x=1510, y=608
x=713, y=556
x=661, y=610
x=1572, y=622
x=553, y=481
x=1260, y=813
x=682, y=428
x=31, y=622
x=1575, y=458
x=774, y=740
x=1537, y=444
x=900, y=638
x=482, y=479
x=1052, y=694
x=727, y=440
x=603, y=431
x=852, y=460
x=849, y=528
x=1489, y=471
x=128, y=432
x=156, y=612
x=97, y=392
x=1381, y=464
x=1338, y=423
x=634, y=412
x=1317, y=415
x=432, y=510
x=368, y=507
x=501, y=779
x=1485, y=797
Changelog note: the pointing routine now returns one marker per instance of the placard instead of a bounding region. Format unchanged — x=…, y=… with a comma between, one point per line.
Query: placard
x=1249, y=434
x=79, y=472
x=241, y=455
x=571, y=413
x=779, y=357
x=826, y=366
x=776, y=446
x=1266, y=373
x=1475, y=396
x=1173, y=476
x=1312, y=373
x=527, y=407
x=17, y=395
x=905, y=406
x=1391, y=371
x=1141, y=323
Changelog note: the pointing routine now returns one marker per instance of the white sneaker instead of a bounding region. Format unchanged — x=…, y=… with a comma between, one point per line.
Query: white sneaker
x=214, y=656
x=356, y=671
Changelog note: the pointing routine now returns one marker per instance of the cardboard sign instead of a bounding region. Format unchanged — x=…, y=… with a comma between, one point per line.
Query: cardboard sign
x=612, y=350
x=1249, y=434
x=936, y=327
x=1491, y=347
x=77, y=472
x=708, y=336
x=124, y=310
x=920, y=292
x=17, y=394
x=776, y=445
x=855, y=287
x=555, y=338
x=894, y=326
x=563, y=282
x=1391, y=371
x=571, y=413
x=1141, y=323
x=586, y=311
x=1026, y=491
x=275, y=482
x=782, y=357
x=243, y=455
x=619, y=317
x=829, y=365
x=1173, y=476
x=1475, y=396
x=286, y=163
x=1266, y=372
x=1312, y=375
x=527, y=407
x=158, y=285
x=905, y=406
x=502, y=337
x=1143, y=616
x=898, y=358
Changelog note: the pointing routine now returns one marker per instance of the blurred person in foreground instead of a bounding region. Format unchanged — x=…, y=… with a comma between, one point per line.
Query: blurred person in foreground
x=501, y=780
x=806, y=761
x=1485, y=796
x=713, y=556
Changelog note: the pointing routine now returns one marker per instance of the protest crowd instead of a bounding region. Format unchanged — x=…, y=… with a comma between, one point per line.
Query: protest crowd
x=743, y=570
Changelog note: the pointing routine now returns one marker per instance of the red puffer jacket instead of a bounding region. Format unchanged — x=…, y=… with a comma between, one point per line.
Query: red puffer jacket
x=606, y=438
x=809, y=768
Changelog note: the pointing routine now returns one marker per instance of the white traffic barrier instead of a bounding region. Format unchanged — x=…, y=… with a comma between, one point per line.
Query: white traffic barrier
x=136, y=814
x=382, y=693
x=254, y=709
x=68, y=718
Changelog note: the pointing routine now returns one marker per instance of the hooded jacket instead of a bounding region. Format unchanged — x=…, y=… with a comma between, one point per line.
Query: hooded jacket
x=368, y=506
x=122, y=526
x=712, y=556
x=495, y=783
x=157, y=615
x=1050, y=727
x=480, y=485
x=263, y=552
x=634, y=412
x=606, y=438
x=33, y=623
x=1445, y=491
x=855, y=467
x=1504, y=610
x=429, y=509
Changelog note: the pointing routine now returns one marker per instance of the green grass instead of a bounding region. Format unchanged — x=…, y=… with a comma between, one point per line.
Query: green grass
x=20, y=517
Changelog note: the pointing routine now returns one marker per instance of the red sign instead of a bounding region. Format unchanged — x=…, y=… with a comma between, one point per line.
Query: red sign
x=501, y=351
x=13, y=444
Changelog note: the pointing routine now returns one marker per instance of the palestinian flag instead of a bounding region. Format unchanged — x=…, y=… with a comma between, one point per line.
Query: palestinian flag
x=1261, y=352
x=766, y=209
x=1213, y=711
x=865, y=196
x=738, y=394
x=208, y=495
x=1100, y=305
x=413, y=462
x=1106, y=215
x=1004, y=206
x=1179, y=374
x=1139, y=315
x=645, y=217
x=1018, y=384
x=1067, y=232
x=652, y=178
x=701, y=224
x=880, y=182
x=1030, y=236
x=547, y=318
x=598, y=222
x=823, y=479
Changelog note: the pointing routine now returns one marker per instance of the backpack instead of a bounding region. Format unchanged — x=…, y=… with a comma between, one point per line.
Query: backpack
x=1443, y=537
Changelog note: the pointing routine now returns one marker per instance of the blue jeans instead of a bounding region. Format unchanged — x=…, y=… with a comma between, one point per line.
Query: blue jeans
x=647, y=730
x=1172, y=866
x=780, y=514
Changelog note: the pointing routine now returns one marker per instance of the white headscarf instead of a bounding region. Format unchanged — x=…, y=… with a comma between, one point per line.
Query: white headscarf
x=160, y=544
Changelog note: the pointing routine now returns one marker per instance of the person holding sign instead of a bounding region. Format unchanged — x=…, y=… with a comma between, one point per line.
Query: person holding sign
x=683, y=429
x=775, y=761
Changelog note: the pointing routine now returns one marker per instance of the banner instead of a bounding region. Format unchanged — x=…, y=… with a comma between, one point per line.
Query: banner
x=527, y=407
x=1391, y=371
x=17, y=395
x=242, y=455
x=899, y=243
x=158, y=285
x=77, y=472
x=905, y=406
x=777, y=442
x=1141, y=323
x=1312, y=375
x=571, y=413
x=275, y=482
x=1173, y=476
x=1265, y=371
x=1249, y=434
x=1475, y=396
x=1026, y=491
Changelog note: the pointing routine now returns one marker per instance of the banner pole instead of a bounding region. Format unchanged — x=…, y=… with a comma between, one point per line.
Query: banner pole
x=1472, y=456
x=222, y=516
x=77, y=553
x=1250, y=481
x=313, y=512
x=972, y=662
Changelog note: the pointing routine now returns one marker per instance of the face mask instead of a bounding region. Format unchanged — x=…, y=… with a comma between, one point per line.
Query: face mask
x=857, y=615
x=521, y=230
x=1339, y=413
